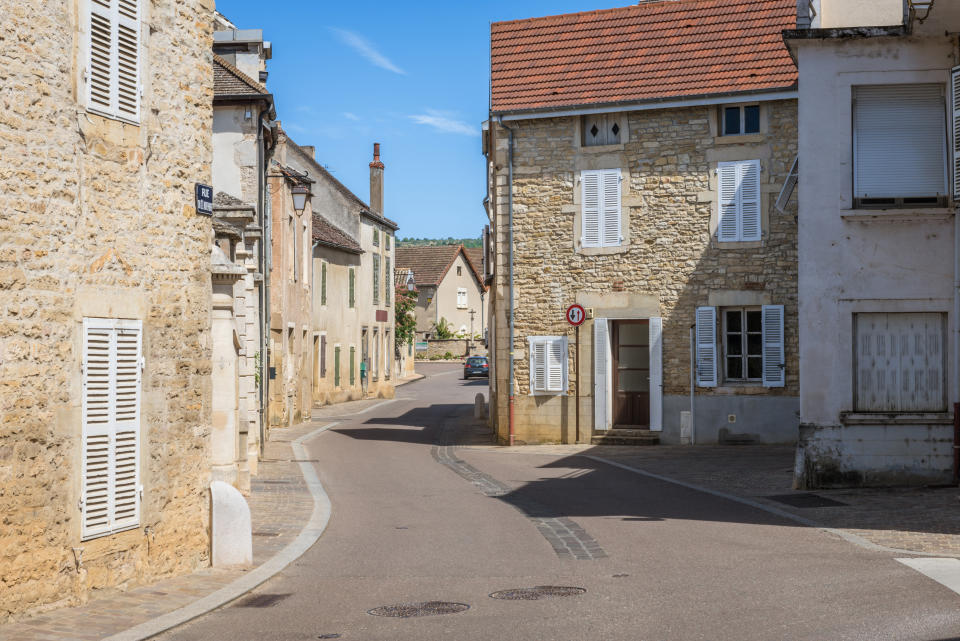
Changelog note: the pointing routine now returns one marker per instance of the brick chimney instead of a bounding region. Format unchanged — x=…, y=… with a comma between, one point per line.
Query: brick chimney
x=376, y=181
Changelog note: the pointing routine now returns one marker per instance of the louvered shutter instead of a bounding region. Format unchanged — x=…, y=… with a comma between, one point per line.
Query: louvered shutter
x=749, y=197
x=601, y=342
x=656, y=374
x=323, y=356
x=774, y=364
x=127, y=447
x=387, y=281
x=336, y=366
x=538, y=365
x=113, y=74
x=610, y=180
x=955, y=117
x=376, y=279
x=128, y=59
x=590, y=219
x=789, y=185
x=728, y=228
x=556, y=364
x=352, y=293
x=323, y=283
x=707, y=346
x=101, y=43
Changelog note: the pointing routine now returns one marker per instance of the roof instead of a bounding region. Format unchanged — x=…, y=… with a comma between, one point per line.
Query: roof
x=430, y=264
x=670, y=49
x=228, y=81
x=324, y=233
x=223, y=200
x=401, y=275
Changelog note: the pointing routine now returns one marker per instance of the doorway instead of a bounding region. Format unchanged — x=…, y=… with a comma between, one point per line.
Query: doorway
x=631, y=374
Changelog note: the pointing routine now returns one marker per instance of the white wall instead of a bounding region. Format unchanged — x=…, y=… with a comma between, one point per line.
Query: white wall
x=860, y=13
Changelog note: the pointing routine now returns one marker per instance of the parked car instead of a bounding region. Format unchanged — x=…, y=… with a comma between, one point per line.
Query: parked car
x=476, y=366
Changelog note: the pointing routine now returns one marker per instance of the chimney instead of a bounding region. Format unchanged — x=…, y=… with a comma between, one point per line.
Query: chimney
x=376, y=181
x=310, y=150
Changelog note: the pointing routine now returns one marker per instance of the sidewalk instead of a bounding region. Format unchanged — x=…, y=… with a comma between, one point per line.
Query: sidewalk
x=918, y=520
x=281, y=505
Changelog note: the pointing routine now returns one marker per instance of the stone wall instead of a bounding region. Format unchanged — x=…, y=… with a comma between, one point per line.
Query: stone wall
x=459, y=347
x=99, y=222
x=670, y=263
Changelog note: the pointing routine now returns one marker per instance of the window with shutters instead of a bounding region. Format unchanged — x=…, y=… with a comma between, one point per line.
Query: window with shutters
x=323, y=282
x=322, y=356
x=336, y=366
x=376, y=237
x=376, y=354
x=548, y=364
x=600, y=205
x=750, y=348
x=900, y=362
x=387, y=281
x=376, y=279
x=742, y=344
x=739, y=210
x=899, y=146
x=353, y=364
x=600, y=129
x=110, y=477
x=387, y=353
x=351, y=294
x=461, y=298
x=112, y=74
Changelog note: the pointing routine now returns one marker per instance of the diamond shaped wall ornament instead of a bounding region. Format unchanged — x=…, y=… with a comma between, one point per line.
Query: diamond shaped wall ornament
x=594, y=131
x=615, y=129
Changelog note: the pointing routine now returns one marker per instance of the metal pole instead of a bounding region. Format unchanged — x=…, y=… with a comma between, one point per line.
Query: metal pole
x=576, y=366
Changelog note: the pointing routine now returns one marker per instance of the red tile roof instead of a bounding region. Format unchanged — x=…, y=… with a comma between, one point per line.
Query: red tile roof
x=326, y=234
x=662, y=50
x=431, y=263
x=230, y=81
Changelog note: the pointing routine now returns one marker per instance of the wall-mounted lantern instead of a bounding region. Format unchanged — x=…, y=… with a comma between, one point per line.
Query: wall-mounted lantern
x=300, y=193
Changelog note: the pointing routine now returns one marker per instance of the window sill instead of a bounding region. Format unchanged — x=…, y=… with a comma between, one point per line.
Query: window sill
x=896, y=418
x=897, y=215
x=738, y=244
x=603, y=251
x=744, y=139
x=748, y=387
x=599, y=149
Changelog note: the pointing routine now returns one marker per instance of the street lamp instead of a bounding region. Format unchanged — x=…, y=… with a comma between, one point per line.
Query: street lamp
x=300, y=193
x=916, y=6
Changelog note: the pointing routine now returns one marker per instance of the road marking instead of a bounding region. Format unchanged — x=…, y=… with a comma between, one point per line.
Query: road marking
x=945, y=571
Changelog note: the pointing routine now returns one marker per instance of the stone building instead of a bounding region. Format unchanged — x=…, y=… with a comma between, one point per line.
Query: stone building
x=105, y=296
x=450, y=287
x=631, y=177
x=878, y=236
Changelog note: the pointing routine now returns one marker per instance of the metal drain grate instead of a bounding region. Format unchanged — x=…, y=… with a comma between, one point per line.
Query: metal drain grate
x=539, y=592
x=422, y=609
x=805, y=499
x=261, y=600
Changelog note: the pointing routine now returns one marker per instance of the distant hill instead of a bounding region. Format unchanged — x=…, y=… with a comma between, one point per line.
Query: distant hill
x=433, y=242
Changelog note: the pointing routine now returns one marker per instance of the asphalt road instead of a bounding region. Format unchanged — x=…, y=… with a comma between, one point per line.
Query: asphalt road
x=416, y=521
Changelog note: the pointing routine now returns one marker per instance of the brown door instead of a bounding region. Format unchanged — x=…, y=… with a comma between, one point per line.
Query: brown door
x=631, y=373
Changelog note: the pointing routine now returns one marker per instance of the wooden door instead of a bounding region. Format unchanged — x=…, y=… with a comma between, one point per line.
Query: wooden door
x=631, y=373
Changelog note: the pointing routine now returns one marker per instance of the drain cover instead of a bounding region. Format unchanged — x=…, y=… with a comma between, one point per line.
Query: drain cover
x=539, y=592
x=805, y=499
x=422, y=609
x=261, y=600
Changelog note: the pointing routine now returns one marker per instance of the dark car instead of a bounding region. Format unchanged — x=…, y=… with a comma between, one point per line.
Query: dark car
x=476, y=366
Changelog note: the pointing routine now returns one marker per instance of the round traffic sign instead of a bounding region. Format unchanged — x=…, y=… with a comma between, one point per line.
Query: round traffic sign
x=576, y=315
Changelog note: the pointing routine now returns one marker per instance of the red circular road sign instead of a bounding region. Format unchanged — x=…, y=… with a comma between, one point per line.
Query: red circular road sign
x=576, y=315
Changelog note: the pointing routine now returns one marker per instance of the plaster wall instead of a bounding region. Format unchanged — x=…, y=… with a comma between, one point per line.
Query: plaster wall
x=836, y=14
x=339, y=322
x=446, y=298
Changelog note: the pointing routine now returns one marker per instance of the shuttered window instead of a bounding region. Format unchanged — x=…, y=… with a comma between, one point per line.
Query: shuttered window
x=900, y=362
x=387, y=280
x=353, y=358
x=600, y=208
x=706, y=335
x=601, y=361
x=336, y=366
x=113, y=63
x=899, y=145
x=548, y=364
x=323, y=356
x=739, y=186
x=955, y=118
x=351, y=295
x=110, y=494
x=376, y=279
x=323, y=283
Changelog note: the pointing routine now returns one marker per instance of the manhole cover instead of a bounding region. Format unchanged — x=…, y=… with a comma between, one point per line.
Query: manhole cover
x=539, y=592
x=261, y=600
x=422, y=609
x=805, y=499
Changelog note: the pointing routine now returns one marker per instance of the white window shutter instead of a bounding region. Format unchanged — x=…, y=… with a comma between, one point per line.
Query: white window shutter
x=774, y=365
x=955, y=118
x=126, y=503
x=590, y=208
x=789, y=185
x=656, y=374
x=556, y=364
x=600, y=345
x=749, y=178
x=707, y=346
x=128, y=59
x=538, y=365
x=728, y=228
x=101, y=40
x=611, y=234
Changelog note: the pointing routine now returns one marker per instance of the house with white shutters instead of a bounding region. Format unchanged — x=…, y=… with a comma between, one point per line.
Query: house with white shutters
x=879, y=244
x=655, y=192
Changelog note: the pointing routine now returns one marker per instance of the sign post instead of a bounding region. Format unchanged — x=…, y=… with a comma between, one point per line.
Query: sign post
x=575, y=316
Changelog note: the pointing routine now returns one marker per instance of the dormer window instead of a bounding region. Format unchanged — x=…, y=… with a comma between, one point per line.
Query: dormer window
x=739, y=120
x=601, y=129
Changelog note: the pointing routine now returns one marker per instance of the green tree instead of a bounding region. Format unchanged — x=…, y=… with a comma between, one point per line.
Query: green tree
x=442, y=329
x=405, y=323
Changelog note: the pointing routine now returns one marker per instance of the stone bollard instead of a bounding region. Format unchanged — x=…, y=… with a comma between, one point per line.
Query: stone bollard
x=232, y=542
x=479, y=407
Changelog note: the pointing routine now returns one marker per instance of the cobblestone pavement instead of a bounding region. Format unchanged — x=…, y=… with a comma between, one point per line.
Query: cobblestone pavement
x=921, y=520
x=280, y=504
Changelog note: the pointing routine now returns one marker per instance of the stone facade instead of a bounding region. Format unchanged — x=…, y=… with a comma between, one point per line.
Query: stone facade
x=669, y=263
x=99, y=222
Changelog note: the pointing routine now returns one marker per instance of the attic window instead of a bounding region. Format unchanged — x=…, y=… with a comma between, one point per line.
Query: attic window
x=739, y=120
x=600, y=129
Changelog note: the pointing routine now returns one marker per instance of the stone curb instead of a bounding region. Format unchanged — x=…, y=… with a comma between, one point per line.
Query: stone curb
x=410, y=379
x=309, y=535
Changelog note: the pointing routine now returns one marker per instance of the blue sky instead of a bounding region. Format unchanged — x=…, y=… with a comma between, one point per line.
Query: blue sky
x=411, y=76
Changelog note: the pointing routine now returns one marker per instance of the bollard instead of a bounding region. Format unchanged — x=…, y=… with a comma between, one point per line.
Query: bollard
x=479, y=407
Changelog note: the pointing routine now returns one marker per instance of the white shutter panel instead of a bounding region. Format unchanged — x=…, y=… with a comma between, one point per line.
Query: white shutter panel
x=774, y=365
x=749, y=178
x=955, y=116
x=728, y=228
x=556, y=364
x=128, y=59
x=101, y=62
x=590, y=208
x=97, y=428
x=656, y=374
x=538, y=365
x=600, y=341
x=707, y=346
x=611, y=208
x=126, y=504
x=789, y=185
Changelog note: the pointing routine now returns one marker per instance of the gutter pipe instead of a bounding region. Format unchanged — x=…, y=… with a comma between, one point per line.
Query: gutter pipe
x=693, y=422
x=510, y=232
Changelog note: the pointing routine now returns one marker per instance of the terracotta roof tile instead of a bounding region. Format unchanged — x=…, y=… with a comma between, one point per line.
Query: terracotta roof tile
x=230, y=81
x=326, y=234
x=646, y=52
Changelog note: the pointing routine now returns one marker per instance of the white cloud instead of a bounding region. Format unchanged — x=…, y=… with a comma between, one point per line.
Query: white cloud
x=444, y=121
x=350, y=116
x=362, y=46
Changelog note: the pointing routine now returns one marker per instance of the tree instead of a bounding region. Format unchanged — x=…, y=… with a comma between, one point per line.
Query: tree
x=442, y=329
x=405, y=323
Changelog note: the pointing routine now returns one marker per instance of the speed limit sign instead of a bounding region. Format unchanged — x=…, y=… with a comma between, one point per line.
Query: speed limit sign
x=576, y=315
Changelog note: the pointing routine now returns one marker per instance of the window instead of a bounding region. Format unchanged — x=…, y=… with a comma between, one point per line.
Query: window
x=459, y=270
x=742, y=338
x=323, y=356
x=738, y=184
x=739, y=120
x=376, y=279
x=353, y=359
x=336, y=366
x=600, y=129
x=113, y=62
x=376, y=237
x=110, y=485
x=387, y=281
x=386, y=241
x=899, y=146
x=323, y=282
x=351, y=297
x=461, y=298
x=900, y=362
x=387, y=353
x=376, y=354
x=548, y=364
x=600, y=208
